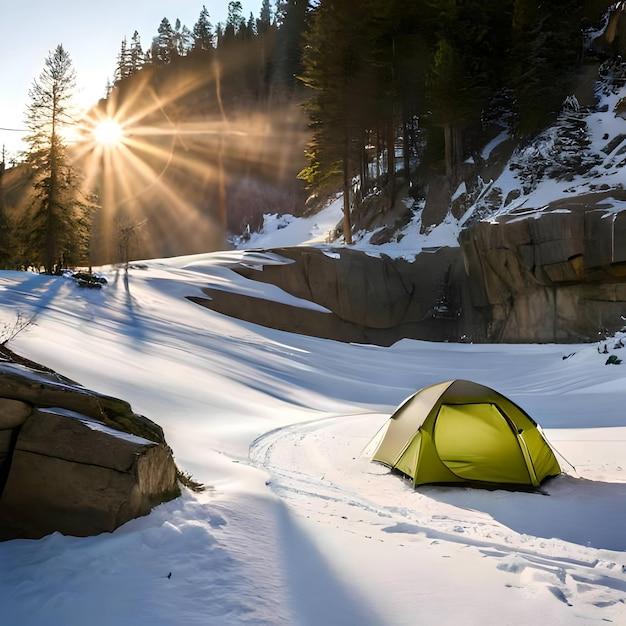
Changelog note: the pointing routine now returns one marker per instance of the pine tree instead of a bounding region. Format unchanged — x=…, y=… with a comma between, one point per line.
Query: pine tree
x=264, y=22
x=164, y=49
x=182, y=39
x=335, y=70
x=470, y=45
x=250, y=27
x=123, y=69
x=58, y=224
x=287, y=58
x=235, y=21
x=546, y=40
x=280, y=12
x=400, y=54
x=136, y=53
x=202, y=33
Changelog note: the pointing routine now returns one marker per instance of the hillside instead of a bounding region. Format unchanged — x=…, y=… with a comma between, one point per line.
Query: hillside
x=529, y=247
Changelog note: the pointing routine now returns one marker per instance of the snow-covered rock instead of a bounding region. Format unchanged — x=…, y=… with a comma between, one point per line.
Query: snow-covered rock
x=65, y=467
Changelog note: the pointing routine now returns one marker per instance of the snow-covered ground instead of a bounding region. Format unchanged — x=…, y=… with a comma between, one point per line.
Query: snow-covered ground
x=297, y=526
x=285, y=230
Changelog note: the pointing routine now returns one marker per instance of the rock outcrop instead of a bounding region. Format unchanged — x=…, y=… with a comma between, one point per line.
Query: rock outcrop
x=72, y=460
x=376, y=300
x=556, y=275
x=550, y=275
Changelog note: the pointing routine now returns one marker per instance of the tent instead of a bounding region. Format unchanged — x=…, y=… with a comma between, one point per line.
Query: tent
x=462, y=432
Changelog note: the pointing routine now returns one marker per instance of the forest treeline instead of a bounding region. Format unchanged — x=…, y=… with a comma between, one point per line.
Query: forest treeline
x=357, y=95
x=431, y=75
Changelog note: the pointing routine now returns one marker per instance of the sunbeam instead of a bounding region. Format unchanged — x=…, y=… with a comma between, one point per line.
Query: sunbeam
x=168, y=152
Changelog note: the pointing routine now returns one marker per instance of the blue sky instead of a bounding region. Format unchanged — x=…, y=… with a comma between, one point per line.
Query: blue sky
x=91, y=33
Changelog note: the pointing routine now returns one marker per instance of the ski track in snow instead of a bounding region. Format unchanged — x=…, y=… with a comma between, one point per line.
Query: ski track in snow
x=322, y=470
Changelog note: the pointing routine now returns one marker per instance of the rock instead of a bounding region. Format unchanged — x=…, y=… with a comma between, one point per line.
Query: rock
x=552, y=276
x=40, y=387
x=440, y=190
x=74, y=461
x=612, y=40
x=368, y=299
x=13, y=413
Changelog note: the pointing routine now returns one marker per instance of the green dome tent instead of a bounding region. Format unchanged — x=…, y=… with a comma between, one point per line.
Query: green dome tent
x=462, y=432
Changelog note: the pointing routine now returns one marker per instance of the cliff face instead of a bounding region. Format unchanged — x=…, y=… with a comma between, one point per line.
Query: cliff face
x=360, y=298
x=542, y=245
x=554, y=276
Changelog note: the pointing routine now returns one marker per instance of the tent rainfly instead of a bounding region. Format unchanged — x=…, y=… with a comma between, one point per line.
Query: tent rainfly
x=462, y=432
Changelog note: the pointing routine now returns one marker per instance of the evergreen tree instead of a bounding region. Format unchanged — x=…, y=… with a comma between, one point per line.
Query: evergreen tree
x=57, y=226
x=395, y=76
x=136, y=53
x=108, y=89
x=250, y=28
x=546, y=40
x=235, y=21
x=400, y=49
x=470, y=48
x=287, y=58
x=219, y=34
x=164, y=48
x=182, y=39
x=264, y=22
x=335, y=70
x=280, y=12
x=123, y=69
x=202, y=32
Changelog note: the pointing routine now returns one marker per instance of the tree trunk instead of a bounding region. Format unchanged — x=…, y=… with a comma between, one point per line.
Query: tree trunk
x=406, y=150
x=378, y=153
x=52, y=201
x=457, y=143
x=391, y=161
x=453, y=136
x=347, y=221
x=365, y=179
x=447, y=137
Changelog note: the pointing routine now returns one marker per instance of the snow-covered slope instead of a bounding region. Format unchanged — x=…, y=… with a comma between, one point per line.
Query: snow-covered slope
x=297, y=526
x=584, y=152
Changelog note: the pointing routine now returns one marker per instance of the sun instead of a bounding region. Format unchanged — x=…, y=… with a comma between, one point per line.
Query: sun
x=108, y=133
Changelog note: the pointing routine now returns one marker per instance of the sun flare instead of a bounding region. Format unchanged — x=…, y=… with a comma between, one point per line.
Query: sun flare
x=146, y=164
x=108, y=133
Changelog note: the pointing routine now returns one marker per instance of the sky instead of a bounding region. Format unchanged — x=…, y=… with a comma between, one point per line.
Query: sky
x=91, y=33
x=297, y=526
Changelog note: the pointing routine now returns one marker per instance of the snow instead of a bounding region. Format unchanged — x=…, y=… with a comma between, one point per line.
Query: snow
x=94, y=425
x=297, y=526
x=494, y=143
x=280, y=231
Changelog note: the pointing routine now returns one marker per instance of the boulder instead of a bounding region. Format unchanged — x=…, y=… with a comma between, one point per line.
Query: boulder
x=13, y=414
x=74, y=461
